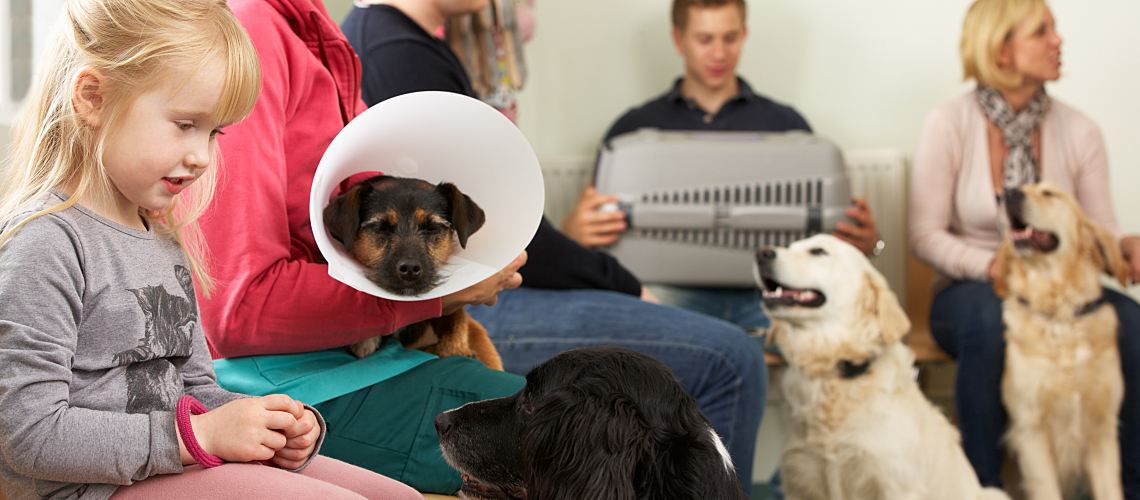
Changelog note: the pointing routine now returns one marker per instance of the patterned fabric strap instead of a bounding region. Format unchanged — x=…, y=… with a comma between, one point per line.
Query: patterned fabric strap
x=1020, y=166
x=188, y=405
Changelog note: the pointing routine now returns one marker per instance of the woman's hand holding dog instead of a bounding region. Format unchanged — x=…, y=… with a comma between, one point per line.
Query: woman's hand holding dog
x=246, y=429
x=992, y=270
x=486, y=292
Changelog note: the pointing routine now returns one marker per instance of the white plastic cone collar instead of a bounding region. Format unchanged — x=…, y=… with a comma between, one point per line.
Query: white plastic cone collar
x=438, y=137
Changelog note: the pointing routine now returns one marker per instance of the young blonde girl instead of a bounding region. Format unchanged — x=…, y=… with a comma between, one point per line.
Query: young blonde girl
x=105, y=376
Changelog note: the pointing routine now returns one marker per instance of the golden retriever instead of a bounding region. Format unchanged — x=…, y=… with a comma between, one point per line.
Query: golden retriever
x=859, y=429
x=1062, y=384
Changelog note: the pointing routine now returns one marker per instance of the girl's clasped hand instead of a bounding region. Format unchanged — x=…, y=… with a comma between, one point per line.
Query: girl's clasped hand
x=272, y=428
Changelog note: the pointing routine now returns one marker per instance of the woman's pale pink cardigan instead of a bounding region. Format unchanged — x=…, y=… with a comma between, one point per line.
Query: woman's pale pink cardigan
x=954, y=218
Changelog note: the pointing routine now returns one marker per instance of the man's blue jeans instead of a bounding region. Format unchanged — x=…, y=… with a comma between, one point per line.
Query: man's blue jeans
x=740, y=306
x=716, y=362
x=965, y=320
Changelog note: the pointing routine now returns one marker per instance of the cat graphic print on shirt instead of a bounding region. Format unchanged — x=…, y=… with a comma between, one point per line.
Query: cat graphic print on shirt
x=152, y=379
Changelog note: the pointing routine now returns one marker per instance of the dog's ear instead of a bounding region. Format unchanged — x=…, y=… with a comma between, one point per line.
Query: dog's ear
x=692, y=462
x=880, y=304
x=466, y=217
x=774, y=332
x=1105, y=251
x=577, y=445
x=342, y=216
x=1003, y=265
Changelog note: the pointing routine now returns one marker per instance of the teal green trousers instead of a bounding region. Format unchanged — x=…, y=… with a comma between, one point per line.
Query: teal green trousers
x=389, y=427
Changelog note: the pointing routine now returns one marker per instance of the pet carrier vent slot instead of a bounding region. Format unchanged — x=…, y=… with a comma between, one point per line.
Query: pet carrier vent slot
x=715, y=205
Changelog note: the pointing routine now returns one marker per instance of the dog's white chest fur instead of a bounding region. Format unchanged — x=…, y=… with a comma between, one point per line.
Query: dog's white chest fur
x=1059, y=376
x=871, y=437
x=854, y=434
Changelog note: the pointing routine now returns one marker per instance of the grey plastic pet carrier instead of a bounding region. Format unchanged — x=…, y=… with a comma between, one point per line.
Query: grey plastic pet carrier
x=700, y=203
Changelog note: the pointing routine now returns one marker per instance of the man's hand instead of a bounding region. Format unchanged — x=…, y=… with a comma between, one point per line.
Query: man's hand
x=590, y=227
x=862, y=232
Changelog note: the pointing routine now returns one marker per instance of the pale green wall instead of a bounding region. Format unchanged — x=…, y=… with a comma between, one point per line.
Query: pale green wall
x=863, y=73
x=338, y=8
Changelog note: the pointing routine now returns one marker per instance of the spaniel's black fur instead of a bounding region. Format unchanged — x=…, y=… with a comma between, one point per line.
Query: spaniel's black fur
x=601, y=423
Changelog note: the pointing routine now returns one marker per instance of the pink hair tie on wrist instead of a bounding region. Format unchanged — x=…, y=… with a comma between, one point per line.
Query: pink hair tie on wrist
x=188, y=405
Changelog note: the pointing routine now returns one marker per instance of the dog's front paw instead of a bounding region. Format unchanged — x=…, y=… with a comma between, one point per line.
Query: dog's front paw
x=365, y=347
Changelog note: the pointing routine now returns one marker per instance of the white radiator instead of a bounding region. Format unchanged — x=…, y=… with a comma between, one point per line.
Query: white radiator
x=879, y=175
x=565, y=178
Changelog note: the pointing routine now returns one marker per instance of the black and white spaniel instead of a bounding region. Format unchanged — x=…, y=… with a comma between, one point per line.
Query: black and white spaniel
x=599, y=423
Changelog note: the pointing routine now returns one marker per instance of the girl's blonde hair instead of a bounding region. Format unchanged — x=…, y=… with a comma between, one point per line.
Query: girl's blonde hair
x=988, y=26
x=132, y=45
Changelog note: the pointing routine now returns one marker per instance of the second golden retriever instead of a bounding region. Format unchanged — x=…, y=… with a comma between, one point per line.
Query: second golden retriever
x=859, y=428
x=1062, y=384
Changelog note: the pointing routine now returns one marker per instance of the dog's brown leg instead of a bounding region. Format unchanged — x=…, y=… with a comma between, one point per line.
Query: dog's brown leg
x=1101, y=420
x=480, y=343
x=459, y=335
x=1102, y=450
x=365, y=347
x=418, y=335
x=451, y=330
x=1102, y=464
x=1038, y=470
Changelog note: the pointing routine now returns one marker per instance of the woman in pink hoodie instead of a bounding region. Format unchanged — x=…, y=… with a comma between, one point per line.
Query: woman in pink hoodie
x=276, y=316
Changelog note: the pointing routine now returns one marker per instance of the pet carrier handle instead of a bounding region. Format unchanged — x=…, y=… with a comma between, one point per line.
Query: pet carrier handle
x=670, y=216
x=770, y=217
x=650, y=216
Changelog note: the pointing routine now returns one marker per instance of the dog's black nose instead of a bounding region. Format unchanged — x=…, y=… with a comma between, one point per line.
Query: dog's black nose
x=766, y=254
x=443, y=424
x=1014, y=196
x=409, y=269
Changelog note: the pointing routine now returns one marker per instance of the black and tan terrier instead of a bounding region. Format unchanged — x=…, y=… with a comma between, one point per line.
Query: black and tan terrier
x=403, y=231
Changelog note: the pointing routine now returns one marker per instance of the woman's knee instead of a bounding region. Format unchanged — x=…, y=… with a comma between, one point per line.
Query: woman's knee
x=1128, y=313
x=967, y=318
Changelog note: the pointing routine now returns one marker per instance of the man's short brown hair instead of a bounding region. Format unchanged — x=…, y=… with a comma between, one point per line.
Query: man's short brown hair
x=681, y=9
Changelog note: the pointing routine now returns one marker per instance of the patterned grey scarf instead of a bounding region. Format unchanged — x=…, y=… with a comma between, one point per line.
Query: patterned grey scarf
x=1020, y=165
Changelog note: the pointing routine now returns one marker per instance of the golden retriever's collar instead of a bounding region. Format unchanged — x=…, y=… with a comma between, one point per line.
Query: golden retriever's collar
x=1086, y=308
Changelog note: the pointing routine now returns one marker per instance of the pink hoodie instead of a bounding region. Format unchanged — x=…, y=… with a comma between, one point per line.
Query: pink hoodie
x=274, y=294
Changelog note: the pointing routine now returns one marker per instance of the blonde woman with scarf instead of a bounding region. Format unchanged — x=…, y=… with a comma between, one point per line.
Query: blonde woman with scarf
x=1006, y=132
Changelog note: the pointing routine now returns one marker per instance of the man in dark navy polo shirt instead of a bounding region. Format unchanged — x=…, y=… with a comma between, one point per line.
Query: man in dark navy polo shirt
x=743, y=110
x=709, y=35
